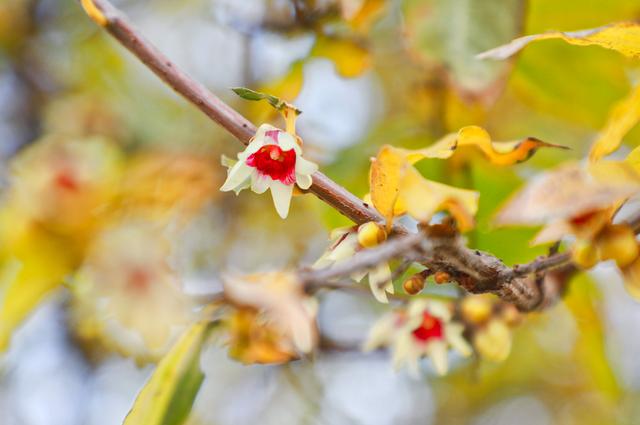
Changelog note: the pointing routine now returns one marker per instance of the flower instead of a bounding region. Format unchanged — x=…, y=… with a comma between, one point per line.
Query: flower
x=272, y=160
x=424, y=328
x=133, y=296
x=280, y=299
x=348, y=241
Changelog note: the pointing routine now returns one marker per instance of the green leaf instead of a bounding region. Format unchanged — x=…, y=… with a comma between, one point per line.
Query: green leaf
x=168, y=396
x=274, y=101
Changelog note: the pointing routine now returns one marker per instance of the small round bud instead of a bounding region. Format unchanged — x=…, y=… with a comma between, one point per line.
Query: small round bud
x=371, y=234
x=476, y=309
x=618, y=243
x=442, y=277
x=414, y=284
x=510, y=314
x=584, y=254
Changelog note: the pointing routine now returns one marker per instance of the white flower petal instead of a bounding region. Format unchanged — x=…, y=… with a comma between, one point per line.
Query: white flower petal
x=437, y=351
x=260, y=184
x=381, y=333
x=380, y=282
x=304, y=181
x=345, y=249
x=237, y=175
x=253, y=147
x=287, y=142
x=453, y=335
x=281, y=195
x=304, y=166
x=261, y=133
x=440, y=310
x=359, y=275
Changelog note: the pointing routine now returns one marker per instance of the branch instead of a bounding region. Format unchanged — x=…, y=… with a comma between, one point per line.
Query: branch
x=476, y=271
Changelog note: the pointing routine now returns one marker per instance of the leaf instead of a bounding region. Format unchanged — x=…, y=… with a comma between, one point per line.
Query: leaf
x=34, y=263
x=623, y=37
x=349, y=57
x=423, y=198
x=499, y=153
x=274, y=101
x=168, y=396
x=397, y=187
x=624, y=116
x=449, y=33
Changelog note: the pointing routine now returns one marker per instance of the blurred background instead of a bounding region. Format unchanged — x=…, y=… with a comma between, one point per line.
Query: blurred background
x=83, y=126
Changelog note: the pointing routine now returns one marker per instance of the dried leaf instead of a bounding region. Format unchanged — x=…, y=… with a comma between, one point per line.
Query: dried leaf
x=387, y=170
x=168, y=396
x=623, y=37
x=499, y=153
x=276, y=102
x=570, y=191
x=624, y=116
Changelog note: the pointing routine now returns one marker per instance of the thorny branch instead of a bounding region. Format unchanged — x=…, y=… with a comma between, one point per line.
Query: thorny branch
x=528, y=286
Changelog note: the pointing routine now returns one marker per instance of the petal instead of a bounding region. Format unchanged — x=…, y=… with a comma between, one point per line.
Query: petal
x=440, y=310
x=260, y=184
x=253, y=147
x=437, y=351
x=381, y=333
x=287, y=142
x=304, y=166
x=281, y=195
x=262, y=131
x=380, y=282
x=304, y=181
x=237, y=175
x=453, y=335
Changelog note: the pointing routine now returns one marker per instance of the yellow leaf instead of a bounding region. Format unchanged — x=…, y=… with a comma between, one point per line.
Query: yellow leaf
x=623, y=37
x=34, y=263
x=397, y=187
x=423, y=198
x=499, y=153
x=350, y=58
x=624, y=116
x=386, y=172
x=167, y=397
x=360, y=14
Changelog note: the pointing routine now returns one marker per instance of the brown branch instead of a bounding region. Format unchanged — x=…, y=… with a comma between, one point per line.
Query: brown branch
x=476, y=271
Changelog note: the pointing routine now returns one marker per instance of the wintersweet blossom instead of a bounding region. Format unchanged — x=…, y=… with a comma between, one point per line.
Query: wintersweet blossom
x=423, y=329
x=345, y=245
x=272, y=160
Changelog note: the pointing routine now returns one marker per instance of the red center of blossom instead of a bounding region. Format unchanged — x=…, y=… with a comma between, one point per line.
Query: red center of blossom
x=272, y=161
x=430, y=328
x=139, y=279
x=66, y=181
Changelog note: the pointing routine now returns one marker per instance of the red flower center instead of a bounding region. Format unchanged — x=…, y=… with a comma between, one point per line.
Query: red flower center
x=66, y=181
x=272, y=161
x=430, y=328
x=139, y=279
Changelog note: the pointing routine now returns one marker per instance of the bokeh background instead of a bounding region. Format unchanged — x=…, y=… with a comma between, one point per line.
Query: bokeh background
x=364, y=74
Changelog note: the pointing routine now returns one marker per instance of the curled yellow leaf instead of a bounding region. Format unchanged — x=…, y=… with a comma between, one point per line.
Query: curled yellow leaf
x=398, y=188
x=623, y=37
x=624, y=116
x=499, y=153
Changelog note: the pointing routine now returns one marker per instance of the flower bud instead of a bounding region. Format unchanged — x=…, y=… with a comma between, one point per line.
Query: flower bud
x=442, y=277
x=371, y=234
x=511, y=315
x=476, y=309
x=493, y=342
x=584, y=254
x=414, y=284
x=618, y=242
